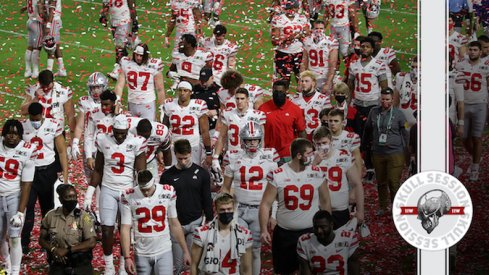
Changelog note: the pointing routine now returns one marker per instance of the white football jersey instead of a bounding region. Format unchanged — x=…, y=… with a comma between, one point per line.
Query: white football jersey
x=57, y=9
x=140, y=79
x=33, y=10
x=367, y=86
x=149, y=218
x=456, y=91
x=318, y=54
x=97, y=122
x=42, y=139
x=190, y=66
x=221, y=55
x=348, y=141
x=86, y=104
x=119, y=12
x=290, y=27
x=16, y=165
x=333, y=258
x=297, y=195
x=185, y=21
x=338, y=12
x=311, y=108
x=475, y=84
x=455, y=41
x=408, y=96
x=119, y=159
x=335, y=167
x=249, y=174
x=159, y=135
x=235, y=122
x=184, y=120
x=386, y=55
x=254, y=92
x=53, y=102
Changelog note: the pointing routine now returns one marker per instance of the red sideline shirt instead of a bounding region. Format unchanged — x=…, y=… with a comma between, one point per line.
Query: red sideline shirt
x=283, y=125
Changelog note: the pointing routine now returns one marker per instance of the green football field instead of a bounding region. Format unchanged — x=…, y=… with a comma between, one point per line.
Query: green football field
x=88, y=47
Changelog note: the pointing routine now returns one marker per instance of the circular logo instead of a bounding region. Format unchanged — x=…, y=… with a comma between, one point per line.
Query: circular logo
x=432, y=210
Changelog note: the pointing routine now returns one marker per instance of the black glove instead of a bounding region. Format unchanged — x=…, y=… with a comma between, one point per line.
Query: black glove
x=103, y=20
x=135, y=26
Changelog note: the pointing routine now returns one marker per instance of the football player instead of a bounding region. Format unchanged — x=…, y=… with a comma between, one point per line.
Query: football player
x=189, y=60
x=288, y=29
x=119, y=156
x=386, y=55
x=149, y=209
x=231, y=80
x=457, y=43
x=311, y=101
x=406, y=86
x=371, y=11
x=186, y=18
x=342, y=175
x=186, y=118
x=212, y=11
x=484, y=40
x=300, y=188
x=475, y=79
x=245, y=177
x=53, y=25
x=328, y=251
x=124, y=26
x=143, y=76
x=223, y=50
x=35, y=12
x=320, y=56
x=46, y=135
x=17, y=168
x=341, y=14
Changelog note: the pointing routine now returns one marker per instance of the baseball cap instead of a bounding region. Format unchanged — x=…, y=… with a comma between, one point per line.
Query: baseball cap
x=184, y=85
x=219, y=30
x=139, y=50
x=205, y=74
x=121, y=122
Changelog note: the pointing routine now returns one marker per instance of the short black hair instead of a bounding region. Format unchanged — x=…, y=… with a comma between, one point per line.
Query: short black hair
x=299, y=146
x=243, y=91
x=281, y=82
x=144, y=125
x=475, y=44
x=483, y=38
x=182, y=146
x=387, y=91
x=220, y=30
x=144, y=176
x=337, y=112
x=108, y=95
x=376, y=34
x=368, y=40
x=323, y=214
x=12, y=123
x=190, y=38
x=35, y=108
x=45, y=77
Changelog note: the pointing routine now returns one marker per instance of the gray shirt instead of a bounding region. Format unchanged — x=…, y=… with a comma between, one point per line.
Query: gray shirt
x=386, y=130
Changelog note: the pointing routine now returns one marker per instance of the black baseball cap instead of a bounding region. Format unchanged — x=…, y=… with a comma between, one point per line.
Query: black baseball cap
x=205, y=74
x=220, y=30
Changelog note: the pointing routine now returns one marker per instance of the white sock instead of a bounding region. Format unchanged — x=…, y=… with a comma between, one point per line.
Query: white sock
x=50, y=64
x=61, y=65
x=4, y=251
x=15, y=254
x=28, y=54
x=109, y=260
x=35, y=60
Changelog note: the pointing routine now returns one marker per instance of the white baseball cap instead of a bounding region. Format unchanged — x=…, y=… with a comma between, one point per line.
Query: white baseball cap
x=121, y=122
x=184, y=85
x=139, y=50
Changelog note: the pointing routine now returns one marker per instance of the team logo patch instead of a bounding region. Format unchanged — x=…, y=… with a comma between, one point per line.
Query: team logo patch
x=432, y=210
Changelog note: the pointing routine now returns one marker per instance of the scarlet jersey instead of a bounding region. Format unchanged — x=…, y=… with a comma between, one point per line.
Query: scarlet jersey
x=159, y=135
x=333, y=258
x=235, y=122
x=140, y=79
x=290, y=27
x=337, y=11
x=386, y=55
x=254, y=92
x=475, y=84
x=297, y=195
x=311, y=108
x=16, y=165
x=182, y=10
x=42, y=139
x=249, y=173
x=348, y=141
x=367, y=86
x=119, y=159
x=53, y=102
x=190, y=66
x=149, y=218
x=222, y=247
x=408, y=96
x=33, y=10
x=119, y=12
x=336, y=167
x=184, y=120
x=318, y=54
x=221, y=55
x=455, y=41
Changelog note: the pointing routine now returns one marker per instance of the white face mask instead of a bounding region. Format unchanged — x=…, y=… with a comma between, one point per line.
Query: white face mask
x=36, y=124
x=308, y=160
x=324, y=148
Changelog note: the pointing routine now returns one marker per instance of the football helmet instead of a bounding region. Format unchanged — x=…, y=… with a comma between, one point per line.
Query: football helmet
x=96, y=84
x=251, y=131
x=290, y=4
x=373, y=9
x=49, y=44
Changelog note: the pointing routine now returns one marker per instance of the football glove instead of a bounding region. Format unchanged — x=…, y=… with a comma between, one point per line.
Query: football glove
x=103, y=20
x=75, y=149
x=216, y=176
x=17, y=220
x=87, y=202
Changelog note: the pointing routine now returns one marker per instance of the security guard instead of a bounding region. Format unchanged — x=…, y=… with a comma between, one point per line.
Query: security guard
x=68, y=235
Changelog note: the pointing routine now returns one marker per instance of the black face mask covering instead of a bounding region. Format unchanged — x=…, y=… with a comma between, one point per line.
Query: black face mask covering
x=69, y=205
x=340, y=98
x=226, y=218
x=279, y=98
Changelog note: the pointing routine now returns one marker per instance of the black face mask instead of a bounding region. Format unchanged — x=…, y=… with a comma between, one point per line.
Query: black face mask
x=69, y=205
x=279, y=98
x=226, y=218
x=358, y=52
x=324, y=123
x=340, y=98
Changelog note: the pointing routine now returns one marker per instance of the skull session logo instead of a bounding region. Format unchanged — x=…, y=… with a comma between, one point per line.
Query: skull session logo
x=432, y=210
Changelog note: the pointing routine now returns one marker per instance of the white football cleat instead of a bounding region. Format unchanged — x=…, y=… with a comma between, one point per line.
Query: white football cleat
x=35, y=73
x=28, y=73
x=62, y=72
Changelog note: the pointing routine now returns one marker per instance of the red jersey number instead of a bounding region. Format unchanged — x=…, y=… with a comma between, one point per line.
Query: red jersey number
x=37, y=141
x=255, y=173
x=157, y=214
x=233, y=133
x=218, y=62
x=132, y=80
x=10, y=168
x=228, y=263
x=187, y=66
x=291, y=198
x=182, y=125
x=474, y=84
x=337, y=11
x=363, y=83
x=119, y=166
x=335, y=174
x=316, y=58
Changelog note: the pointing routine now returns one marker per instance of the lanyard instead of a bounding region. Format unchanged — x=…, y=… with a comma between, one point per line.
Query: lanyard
x=389, y=122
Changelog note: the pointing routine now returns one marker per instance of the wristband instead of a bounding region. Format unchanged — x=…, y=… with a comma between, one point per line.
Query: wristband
x=216, y=156
x=460, y=123
x=208, y=153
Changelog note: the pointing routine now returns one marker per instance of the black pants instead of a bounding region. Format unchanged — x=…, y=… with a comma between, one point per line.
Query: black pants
x=284, y=249
x=42, y=188
x=361, y=118
x=84, y=268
